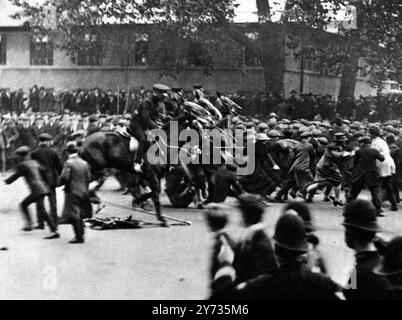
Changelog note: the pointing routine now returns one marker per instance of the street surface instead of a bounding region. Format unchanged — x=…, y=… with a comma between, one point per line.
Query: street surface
x=148, y=263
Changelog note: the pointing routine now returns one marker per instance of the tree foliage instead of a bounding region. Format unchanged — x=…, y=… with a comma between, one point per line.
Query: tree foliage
x=210, y=22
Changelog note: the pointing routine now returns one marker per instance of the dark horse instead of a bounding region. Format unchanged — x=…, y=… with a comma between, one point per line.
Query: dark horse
x=104, y=150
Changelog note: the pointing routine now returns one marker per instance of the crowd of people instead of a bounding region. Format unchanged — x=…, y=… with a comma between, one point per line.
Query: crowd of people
x=381, y=107
x=293, y=158
x=290, y=265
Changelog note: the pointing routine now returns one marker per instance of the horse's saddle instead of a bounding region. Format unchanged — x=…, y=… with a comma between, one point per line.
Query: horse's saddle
x=124, y=134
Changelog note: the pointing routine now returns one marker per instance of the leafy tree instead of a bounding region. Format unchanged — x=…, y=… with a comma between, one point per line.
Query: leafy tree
x=210, y=22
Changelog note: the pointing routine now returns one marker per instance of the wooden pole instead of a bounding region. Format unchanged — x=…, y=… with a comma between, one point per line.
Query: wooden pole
x=118, y=99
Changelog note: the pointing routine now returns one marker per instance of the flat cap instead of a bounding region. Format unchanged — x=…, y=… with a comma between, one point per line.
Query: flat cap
x=45, y=137
x=160, y=87
x=22, y=151
x=306, y=134
x=79, y=133
x=93, y=119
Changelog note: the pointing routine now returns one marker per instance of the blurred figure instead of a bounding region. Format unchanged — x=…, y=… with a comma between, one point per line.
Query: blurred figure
x=32, y=172
x=77, y=206
x=292, y=281
x=254, y=254
x=361, y=227
x=49, y=160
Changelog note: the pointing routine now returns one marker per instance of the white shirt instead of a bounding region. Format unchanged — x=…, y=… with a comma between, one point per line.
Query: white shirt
x=387, y=167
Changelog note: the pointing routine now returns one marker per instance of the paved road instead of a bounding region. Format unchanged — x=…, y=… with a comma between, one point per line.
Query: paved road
x=149, y=263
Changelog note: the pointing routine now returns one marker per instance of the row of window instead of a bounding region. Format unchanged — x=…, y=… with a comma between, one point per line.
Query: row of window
x=137, y=54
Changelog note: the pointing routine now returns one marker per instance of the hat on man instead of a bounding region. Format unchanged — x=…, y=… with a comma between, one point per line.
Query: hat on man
x=262, y=127
x=45, y=137
x=273, y=115
x=392, y=259
x=274, y=134
x=375, y=130
x=262, y=136
x=160, y=88
x=316, y=133
x=250, y=125
x=93, y=118
x=290, y=233
x=365, y=140
x=340, y=137
x=306, y=134
x=22, y=151
x=79, y=133
x=361, y=214
x=23, y=117
x=322, y=140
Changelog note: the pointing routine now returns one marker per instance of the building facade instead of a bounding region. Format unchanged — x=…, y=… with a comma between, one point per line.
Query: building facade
x=127, y=63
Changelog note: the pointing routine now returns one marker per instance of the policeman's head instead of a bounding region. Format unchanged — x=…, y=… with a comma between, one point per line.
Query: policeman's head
x=160, y=91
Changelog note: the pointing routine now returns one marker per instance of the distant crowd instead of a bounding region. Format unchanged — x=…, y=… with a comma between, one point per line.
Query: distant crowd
x=297, y=106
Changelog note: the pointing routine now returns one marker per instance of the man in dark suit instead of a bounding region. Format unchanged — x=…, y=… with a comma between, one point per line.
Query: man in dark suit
x=25, y=136
x=38, y=128
x=32, y=172
x=53, y=128
x=366, y=173
x=6, y=100
x=76, y=178
x=104, y=103
x=49, y=160
x=34, y=99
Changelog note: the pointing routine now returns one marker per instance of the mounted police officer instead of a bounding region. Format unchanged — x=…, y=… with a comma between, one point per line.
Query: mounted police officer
x=146, y=119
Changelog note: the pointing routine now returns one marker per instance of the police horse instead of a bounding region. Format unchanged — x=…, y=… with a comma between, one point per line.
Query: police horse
x=104, y=150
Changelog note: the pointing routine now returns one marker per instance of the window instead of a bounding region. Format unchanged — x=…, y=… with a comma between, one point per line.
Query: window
x=141, y=49
x=196, y=54
x=41, y=51
x=92, y=53
x=3, y=49
x=311, y=65
x=250, y=59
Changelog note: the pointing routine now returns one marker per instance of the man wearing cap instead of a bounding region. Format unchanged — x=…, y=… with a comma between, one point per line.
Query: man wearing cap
x=365, y=173
x=25, y=136
x=146, y=119
x=303, y=159
x=292, y=281
x=93, y=125
x=38, y=128
x=361, y=227
x=50, y=160
x=53, y=128
x=32, y=171
x=76, y=178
